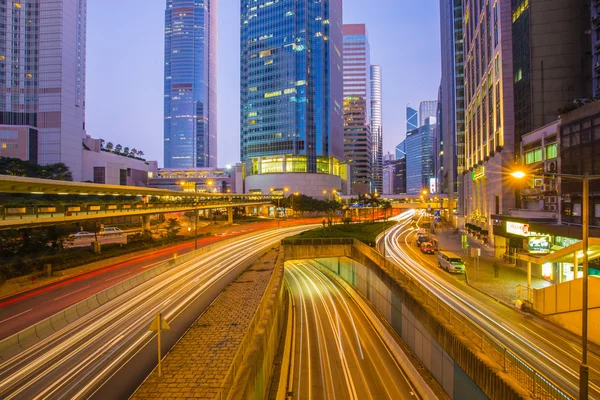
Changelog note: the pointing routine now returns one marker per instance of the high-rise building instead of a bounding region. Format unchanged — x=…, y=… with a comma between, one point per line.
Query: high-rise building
x=489, y=110
x=376, y=127
x=427, y=109
x=389, y=157
x=190, y=90
x=292, y=131
x=42, y=76
x=412, y=119
x=451, y=121
x=358, y=143
x=420, y=165
x=552, y=63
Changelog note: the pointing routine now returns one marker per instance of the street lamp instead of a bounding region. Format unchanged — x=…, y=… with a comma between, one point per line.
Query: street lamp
x=585, y=224
x=292, y=200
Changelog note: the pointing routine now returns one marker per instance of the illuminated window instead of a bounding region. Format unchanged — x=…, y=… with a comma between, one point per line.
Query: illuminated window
x=552, y=151
x=272, y=94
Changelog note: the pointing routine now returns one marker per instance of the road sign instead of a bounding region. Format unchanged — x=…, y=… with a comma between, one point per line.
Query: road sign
x=159, y=323
x=464, y=239
x=436, y=212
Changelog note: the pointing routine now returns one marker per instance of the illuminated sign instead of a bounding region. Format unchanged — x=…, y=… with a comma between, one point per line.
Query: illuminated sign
x=517, y=229
x=432, y=186
x=539, y=244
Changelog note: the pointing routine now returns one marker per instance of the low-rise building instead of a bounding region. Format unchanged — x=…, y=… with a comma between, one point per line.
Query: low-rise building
x=202, y=180
x=19, y=141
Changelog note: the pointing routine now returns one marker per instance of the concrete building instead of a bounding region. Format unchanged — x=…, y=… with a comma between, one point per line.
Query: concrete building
x=420, y=157
x=451, y=121
x=358, y=139
x=489, y=111
x=427, y=109
x=103, y=166
x=394, y=177
x=190, y=84
x=377, y=127
x=42, y=77
x=19, y=141
x=292, y=126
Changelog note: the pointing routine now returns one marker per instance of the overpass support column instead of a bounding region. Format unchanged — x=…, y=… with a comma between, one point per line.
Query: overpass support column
x=145, y=223
x=529, y=281
x=230, y=215
x=265, y=211
x=248, y=210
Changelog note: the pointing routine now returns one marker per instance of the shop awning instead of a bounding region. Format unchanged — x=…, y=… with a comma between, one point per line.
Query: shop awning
x=565, y=254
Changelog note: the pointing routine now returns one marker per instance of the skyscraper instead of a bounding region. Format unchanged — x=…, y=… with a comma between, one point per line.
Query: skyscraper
x=427, y=109
x=358, y=143
x=190, y=125
x=42, y=76
x=412, y=119
x=452, y=103
x=291, y=96
x=376, y=127
x=419, y=145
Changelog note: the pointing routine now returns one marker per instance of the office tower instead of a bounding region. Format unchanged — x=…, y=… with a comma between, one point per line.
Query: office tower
x=412, y=119
x=358, y=144
x=452, y=117
x=419, y=145
x=552, y=64
x=190, y=125
x=400, y=168
x=427, y=109
x=389, y=157
x=376, y=127
x=291, y=96
x=489, y=111
x=42, y=75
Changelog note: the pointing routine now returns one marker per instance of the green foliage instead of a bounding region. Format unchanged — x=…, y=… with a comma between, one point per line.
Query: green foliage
x=18, y=167
x=173, y=228
x=303, y=203
x=365, y=232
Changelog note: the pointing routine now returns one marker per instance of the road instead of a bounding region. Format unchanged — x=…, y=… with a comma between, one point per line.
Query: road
x=337, y=353
x=114, y=341
x=27, y=308
x=553, y=352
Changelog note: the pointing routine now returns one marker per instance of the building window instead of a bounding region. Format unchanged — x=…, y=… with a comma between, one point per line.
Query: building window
x=123, y=177
x=497, y=199
x=533, y=156
x=99, y=175
x=551, y=151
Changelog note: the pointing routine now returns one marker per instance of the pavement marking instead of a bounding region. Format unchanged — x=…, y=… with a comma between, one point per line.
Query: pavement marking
x=118, y=276
x=66, y=295
x=15, y=316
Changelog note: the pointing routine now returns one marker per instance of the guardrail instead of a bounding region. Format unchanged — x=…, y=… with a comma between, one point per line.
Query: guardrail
x=524, y=293
x=524, y=373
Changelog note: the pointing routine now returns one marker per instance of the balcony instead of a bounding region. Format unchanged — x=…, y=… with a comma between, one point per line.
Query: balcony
x=533, y=214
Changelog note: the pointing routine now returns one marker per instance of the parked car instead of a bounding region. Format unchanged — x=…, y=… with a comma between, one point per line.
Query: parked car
x=427, y=248
x=451, y=262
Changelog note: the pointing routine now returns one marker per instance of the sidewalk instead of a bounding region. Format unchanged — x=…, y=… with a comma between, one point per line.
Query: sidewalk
x=502, y=288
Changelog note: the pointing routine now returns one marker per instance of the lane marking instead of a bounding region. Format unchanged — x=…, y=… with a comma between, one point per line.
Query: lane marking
x=15, y=316
x=118, y=276
x=68, y=294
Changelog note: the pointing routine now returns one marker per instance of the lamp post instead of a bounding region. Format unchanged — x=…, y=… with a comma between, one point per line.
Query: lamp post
x=292, y=200
x=585, y=225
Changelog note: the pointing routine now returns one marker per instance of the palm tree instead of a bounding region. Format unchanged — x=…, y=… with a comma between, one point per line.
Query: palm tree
x=110, y=146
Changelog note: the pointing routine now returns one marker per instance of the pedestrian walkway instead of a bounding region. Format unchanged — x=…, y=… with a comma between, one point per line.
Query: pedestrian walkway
x=504, y=287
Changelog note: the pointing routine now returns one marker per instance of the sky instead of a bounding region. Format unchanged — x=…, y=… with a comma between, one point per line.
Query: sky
x=125, y=45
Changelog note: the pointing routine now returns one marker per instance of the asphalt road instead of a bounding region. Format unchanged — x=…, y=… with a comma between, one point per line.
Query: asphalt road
x=552, y=351
x=337, y=353
x=77, y=361
x=27, y=308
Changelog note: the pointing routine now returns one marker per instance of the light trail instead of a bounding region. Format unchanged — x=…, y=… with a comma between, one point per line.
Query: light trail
x=74, y=362
x=553, y=357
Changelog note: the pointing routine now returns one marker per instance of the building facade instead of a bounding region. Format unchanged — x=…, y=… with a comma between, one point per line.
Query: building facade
x=420, y=164
x=292, y=127
x=489, y=110
x=412, y=119
x=190, y=84
x=358, y=139
x=19, y=141
x=452, y=101
x=427, y=109
x=42, y=76
x=377, y=127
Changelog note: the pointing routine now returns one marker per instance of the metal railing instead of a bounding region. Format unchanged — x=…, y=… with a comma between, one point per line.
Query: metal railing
x=524, y=293
x=526, y=375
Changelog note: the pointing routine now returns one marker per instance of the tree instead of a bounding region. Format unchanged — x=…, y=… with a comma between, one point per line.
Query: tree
x=18, y=167
x=102, y=143
x=126, y=151
x=133, y=152
x=118, y=148
x=110, y=146
x=173, y=228
x=140, y=153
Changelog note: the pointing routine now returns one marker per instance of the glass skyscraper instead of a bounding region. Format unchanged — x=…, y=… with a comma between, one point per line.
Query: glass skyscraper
x=377, y=128
x=412, y=119
x=427, y=109
x=190, y=130
x=419, y=149
x=358, y=144
x=42, y=78
x=291, y=88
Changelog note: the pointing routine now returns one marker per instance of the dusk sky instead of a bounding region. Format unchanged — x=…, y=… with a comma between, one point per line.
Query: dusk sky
x=125, y=44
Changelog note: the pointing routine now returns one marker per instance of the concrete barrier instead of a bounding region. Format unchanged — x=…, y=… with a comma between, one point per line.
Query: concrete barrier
x=26, y=338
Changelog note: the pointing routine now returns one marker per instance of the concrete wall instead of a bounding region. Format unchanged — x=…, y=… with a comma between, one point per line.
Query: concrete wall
x=562, y=303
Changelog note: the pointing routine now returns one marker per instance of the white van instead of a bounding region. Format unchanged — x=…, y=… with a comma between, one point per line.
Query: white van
x=451, y=262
